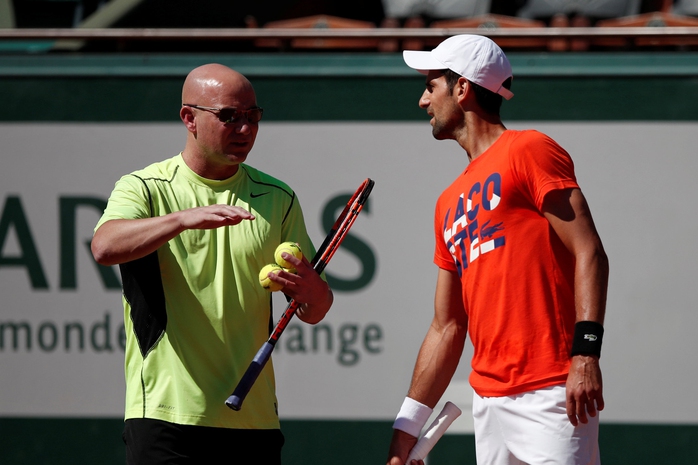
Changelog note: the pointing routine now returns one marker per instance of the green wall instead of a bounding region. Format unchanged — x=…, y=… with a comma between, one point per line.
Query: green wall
x=359, y=87
x=47, y=441
x=343, y=87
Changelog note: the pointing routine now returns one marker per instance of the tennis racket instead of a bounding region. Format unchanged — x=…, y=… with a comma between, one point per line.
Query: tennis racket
x=326, y=251
x=431, y=436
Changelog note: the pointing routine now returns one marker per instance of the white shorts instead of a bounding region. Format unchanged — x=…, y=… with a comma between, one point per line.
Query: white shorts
x=532, y=428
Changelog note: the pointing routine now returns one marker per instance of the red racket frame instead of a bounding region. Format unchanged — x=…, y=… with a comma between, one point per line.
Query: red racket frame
x=334, y=238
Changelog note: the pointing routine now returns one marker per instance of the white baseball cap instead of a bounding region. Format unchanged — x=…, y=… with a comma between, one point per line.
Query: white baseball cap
x=476, y=58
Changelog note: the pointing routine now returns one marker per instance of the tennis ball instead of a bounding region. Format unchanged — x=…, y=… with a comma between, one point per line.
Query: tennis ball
x=264, y=280
x=290, y=248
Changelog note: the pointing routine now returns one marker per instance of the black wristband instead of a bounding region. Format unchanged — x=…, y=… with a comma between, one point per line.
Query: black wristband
x=587, y=338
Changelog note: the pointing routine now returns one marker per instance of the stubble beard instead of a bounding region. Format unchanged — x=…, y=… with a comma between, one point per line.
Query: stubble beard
x=441, y=131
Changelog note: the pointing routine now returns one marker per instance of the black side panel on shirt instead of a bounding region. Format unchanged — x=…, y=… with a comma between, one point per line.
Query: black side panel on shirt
x=143, y=290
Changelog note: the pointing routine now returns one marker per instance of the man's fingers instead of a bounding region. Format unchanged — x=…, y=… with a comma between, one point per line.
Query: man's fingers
x=215, y=216
x=600, y=402
x=295, y=260
x=583, y=403
x=238, y=213
x=580, y=409
x=572, y=411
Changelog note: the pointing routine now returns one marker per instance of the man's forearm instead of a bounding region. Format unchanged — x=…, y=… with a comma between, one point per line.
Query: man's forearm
x=591, y=285
x=121, y=241
x=437, y=362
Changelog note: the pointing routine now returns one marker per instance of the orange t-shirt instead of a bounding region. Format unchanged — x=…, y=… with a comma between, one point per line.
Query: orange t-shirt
x=516, y=275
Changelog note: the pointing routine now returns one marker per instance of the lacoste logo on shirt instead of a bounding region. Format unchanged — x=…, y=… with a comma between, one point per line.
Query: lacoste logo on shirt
x=590, y=337
x=254, y=196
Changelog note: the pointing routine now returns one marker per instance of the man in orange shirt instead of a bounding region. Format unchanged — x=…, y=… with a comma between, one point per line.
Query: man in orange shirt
x=521, y=269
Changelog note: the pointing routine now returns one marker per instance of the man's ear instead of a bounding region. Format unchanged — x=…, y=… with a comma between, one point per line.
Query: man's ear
x=461, y=88
x=187, y=116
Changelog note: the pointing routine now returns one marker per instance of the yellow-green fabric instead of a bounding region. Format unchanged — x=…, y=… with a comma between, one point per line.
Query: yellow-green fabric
x=195, y=313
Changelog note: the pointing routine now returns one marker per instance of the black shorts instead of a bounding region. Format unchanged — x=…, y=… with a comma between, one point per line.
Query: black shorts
x=155, y=442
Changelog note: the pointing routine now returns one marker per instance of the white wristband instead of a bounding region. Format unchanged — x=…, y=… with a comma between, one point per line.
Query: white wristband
x=412, y=417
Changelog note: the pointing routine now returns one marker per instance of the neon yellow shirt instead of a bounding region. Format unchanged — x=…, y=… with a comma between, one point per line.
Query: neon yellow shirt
x=195, y=313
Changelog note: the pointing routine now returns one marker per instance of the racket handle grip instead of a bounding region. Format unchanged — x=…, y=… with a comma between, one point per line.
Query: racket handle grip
x=437, y=428
x=245, y=384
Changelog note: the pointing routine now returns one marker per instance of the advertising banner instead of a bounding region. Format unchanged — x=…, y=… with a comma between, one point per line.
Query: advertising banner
x=61, y=319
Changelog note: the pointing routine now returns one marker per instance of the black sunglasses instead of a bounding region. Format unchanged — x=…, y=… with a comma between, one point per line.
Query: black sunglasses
x=231, y=115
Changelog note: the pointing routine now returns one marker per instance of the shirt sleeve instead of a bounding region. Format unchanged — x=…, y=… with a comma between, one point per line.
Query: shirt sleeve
x=294, y=229
x=542, y=166
x=442, y=256
x=130, y=199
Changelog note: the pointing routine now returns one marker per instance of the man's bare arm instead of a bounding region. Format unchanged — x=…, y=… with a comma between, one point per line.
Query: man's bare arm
x=120, y=241
x=569, y=215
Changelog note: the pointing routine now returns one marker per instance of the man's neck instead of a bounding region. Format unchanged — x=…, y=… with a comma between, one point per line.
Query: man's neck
x=202, y=166
x=480, y=134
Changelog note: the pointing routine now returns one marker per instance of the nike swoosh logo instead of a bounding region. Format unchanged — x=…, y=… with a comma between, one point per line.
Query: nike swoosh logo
x=254, y=196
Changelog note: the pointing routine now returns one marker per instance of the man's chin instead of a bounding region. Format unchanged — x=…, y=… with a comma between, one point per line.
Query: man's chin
x=237, y=157
x=439, y=134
